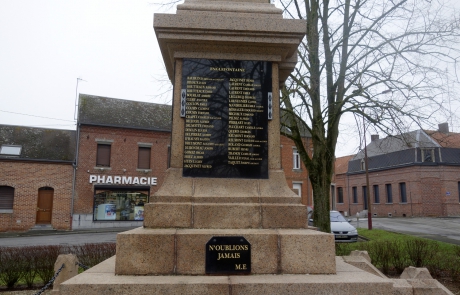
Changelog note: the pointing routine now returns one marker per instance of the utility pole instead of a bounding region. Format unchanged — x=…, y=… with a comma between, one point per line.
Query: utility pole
x=368, y=194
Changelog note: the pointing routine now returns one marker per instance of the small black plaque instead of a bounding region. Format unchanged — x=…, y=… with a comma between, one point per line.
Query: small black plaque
x=228, y=255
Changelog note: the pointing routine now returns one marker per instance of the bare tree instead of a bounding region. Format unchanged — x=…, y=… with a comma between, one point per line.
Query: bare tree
x=392, y=62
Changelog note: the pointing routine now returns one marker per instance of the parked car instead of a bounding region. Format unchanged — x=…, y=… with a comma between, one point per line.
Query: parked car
x=343, y=231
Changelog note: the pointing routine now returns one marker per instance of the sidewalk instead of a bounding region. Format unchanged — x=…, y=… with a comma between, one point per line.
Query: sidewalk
x=32, y=233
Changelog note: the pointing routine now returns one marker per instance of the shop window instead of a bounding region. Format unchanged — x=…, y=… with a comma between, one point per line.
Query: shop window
x=119, y=204
x=340, y=195
x=355, y=194
x=365, y=197
x=144, y=158
x=103, y=155
x=376, y=194
x=296, y=159
x=6, y=197
x=389, y=193
x=10, y=150
x=402, y=192
x=297, y=188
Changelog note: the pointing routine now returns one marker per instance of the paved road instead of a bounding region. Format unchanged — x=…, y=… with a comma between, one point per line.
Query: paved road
x=59, y=238
x=440, y=229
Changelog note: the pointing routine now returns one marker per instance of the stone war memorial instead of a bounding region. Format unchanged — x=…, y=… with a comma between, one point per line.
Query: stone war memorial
x=224, y=220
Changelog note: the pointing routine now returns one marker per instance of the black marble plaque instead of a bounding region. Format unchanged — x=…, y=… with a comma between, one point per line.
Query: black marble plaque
x=228, y=255
x=226, y=118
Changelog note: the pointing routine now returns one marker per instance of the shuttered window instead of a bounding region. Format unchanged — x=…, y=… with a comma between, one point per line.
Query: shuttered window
x=143, y=161
x=6, y=197
x=103, y=155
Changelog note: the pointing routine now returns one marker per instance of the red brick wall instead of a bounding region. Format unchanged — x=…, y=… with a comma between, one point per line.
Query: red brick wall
x=124, y=155
x=295, y=175
x=26, y=178
x=430, y=191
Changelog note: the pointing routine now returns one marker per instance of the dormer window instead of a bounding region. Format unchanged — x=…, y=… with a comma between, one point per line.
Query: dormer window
x=363, y=164
x=10, y=150
x=427, y=155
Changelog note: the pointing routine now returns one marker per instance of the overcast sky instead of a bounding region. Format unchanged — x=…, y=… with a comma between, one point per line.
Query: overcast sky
x=46, y=45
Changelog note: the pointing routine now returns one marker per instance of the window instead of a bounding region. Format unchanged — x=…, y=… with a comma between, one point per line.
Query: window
x=119, y=204
x=10, y=150
x=296, y=159
x=143, y=160
x=340, y=195
x=297, y=188
x=459, y=191
x=427, y=155
x=355, y=194
x=6, y=197
x=389, y=193
x=402, y=192
x=365, y=197
x=103, y=155
x=376, y=194
x=363, y=164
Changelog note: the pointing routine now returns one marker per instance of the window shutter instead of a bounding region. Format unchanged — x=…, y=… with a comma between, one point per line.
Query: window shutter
x=103, y=155
x=144, y=158
x=6, y=197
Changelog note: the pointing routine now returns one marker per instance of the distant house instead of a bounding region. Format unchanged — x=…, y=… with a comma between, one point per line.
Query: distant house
x=412, y=174
x=36, y=175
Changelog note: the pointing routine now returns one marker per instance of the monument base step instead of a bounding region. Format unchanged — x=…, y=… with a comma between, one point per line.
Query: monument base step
x=146, y=251
x=101, y=280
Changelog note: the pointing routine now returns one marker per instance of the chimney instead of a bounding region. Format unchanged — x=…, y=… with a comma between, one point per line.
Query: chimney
x=443, y=127
x=374, y=137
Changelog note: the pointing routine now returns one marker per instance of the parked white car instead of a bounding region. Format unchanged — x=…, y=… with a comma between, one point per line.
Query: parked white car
x=342, y=229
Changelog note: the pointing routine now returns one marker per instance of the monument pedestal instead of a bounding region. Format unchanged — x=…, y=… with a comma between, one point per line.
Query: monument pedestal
x=227, y=60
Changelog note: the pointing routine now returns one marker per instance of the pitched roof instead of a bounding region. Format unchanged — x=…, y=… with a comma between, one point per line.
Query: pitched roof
x=341, y=164
x=285, y=124
x=450, y=139
x=389, y=144
x=38, y=143
x=113, y=112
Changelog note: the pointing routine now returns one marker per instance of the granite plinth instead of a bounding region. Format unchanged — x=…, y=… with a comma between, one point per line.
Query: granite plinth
x=225, y=215
x=145, y=251
x=348, y=279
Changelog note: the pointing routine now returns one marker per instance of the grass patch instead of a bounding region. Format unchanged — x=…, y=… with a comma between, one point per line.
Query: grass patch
x=393, y=252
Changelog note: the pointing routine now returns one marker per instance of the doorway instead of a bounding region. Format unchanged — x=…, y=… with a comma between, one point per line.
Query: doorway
x=45, y=205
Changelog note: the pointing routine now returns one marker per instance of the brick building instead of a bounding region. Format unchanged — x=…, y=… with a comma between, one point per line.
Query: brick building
x=295, y=171
x=36, y=175
x=122, y=157
x=413, y=174
x=102, y=173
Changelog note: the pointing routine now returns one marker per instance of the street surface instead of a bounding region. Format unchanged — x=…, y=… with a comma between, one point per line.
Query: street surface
x=439, y=229
x=60, y=237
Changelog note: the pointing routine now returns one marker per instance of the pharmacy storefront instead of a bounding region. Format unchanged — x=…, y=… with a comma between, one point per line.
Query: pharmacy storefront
x=120, y=197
